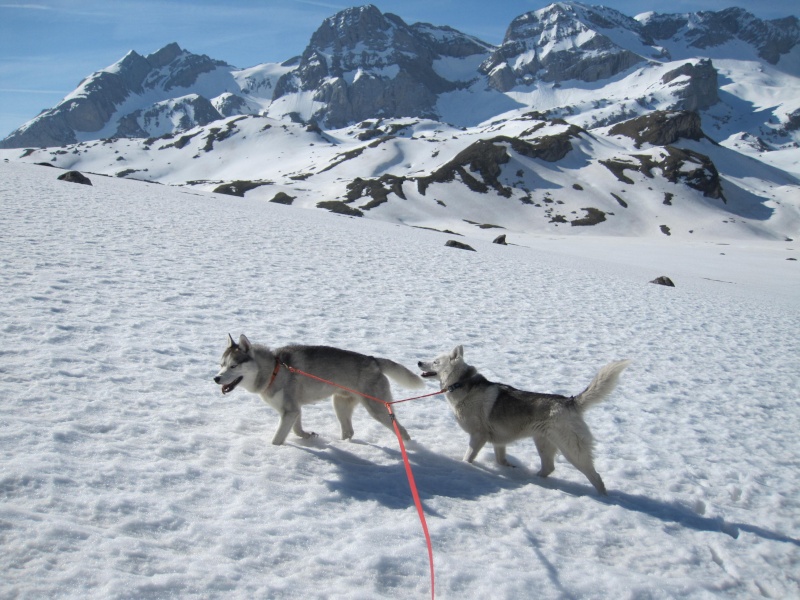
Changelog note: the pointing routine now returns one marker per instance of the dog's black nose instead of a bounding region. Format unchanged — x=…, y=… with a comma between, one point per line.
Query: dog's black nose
x=419, y=364
x=216, y=379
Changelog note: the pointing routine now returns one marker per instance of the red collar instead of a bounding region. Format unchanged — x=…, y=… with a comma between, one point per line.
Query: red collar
x=274, y=374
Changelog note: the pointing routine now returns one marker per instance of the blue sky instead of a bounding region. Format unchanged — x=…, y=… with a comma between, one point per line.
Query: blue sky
x=48, y=46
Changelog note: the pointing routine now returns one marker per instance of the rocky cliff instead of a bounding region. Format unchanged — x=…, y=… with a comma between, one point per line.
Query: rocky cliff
x=363, y=64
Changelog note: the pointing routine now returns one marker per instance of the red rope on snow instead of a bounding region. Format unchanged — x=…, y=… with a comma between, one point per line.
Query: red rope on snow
x=409, y=473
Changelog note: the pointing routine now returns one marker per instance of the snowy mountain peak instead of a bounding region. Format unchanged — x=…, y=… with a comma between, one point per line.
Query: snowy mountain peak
x=362, y=64
x=164, y=56
x=567, y=41
x=110, y=102
x=351, y=26
x=708, y=30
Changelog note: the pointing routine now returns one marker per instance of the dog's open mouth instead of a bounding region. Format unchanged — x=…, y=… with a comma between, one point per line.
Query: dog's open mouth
x=228, y=387
x=428, y=374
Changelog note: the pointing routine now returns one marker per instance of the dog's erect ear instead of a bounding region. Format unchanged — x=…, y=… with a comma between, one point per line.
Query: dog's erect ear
x=231, y=343
x=458, y=352
x=244, y=343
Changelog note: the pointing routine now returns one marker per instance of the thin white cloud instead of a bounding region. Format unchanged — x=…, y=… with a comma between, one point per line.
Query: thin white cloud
x=27, y=6
x=336, y=7
x=23, y=91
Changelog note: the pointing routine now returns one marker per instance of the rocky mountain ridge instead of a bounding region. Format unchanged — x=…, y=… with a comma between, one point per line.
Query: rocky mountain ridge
x=362, y=64
x=583, y=118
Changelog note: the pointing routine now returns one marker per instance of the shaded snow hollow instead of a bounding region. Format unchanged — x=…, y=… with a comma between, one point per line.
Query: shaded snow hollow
x=126, y=474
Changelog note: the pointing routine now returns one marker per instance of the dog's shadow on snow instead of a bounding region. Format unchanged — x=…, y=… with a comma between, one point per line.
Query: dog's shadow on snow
x=441, y=476
x=435, y=475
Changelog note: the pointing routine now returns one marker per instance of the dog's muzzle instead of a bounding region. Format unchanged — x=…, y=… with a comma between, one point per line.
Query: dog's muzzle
x=426, y=374
x=228, y=387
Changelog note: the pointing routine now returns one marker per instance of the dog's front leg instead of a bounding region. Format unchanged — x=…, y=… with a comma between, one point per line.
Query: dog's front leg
x=475, y=444
x=288, y=419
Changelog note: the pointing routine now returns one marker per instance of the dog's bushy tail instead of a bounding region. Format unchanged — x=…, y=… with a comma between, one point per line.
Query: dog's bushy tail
x=601, y=386
x=401, y=375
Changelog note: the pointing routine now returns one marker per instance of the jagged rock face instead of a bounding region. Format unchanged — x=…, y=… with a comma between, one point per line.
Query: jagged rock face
x=793, y=121
x=677, y=165
x=708, y=29
x=90, y=108
x=168, y=116
x=172, y=68
x=486, y=157
x=701, y=90
x=363, y=64
x=661, y=128
x=559, y=43
x=229, y=105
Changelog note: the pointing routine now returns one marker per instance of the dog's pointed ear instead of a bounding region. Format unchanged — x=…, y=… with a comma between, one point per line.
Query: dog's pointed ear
x=244, y=343
x=231, y=343
x=458, y=352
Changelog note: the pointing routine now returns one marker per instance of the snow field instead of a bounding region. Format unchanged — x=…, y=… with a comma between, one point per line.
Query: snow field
x=126, y=474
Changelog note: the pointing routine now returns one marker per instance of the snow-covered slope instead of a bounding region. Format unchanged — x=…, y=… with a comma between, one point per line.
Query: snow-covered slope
x=522, y=174
x=126, y=474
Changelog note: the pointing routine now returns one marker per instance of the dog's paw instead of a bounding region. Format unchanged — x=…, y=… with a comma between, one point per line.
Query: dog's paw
x=307, y=435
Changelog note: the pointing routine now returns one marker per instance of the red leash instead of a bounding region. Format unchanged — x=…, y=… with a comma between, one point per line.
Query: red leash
x=409, y=474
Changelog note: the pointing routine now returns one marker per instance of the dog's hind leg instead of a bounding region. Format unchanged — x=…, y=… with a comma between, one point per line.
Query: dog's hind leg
x=344, y=405
x=500, y=455
x=378, y=410
x=547, y=455
x=581, y=458
x=298, y=428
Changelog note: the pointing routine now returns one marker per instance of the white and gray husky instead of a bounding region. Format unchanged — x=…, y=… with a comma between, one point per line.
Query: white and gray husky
x=500, y=414
x=263, y=371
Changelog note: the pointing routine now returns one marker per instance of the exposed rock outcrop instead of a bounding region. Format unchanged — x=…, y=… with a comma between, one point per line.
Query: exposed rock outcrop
x=75, y=177
x=485, y=158
x=700, y=91
x=362, y=64
x=663, y=280
x=661, y=128
x=459, y=245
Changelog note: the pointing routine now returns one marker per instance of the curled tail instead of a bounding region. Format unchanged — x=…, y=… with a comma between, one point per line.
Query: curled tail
x=400, y=374
x=602, y=385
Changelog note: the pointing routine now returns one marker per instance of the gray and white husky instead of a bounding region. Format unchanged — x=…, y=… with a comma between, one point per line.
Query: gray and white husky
x=263, y=371
x=500, y=414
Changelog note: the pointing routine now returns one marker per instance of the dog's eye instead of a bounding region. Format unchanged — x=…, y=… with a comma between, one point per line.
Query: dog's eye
x=234, y=366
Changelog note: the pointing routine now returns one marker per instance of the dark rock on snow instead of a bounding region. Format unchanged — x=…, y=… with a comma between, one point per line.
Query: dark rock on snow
x=75, y=177
x=455, y=244
x=663, y=280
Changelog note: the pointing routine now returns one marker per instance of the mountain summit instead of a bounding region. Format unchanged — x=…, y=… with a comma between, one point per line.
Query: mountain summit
x=583, y=119
x=363, y=64
x=135, y=97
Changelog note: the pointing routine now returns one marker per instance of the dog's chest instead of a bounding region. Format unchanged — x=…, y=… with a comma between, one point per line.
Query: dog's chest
x=274, y=400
